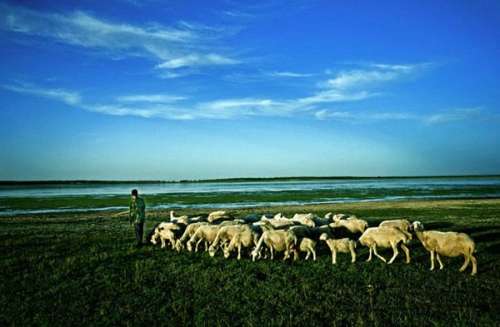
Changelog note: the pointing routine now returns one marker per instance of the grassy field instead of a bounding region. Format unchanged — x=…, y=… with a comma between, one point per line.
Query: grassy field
x=74, y=269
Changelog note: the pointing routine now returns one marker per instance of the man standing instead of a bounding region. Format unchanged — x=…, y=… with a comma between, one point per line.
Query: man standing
x=137, y=214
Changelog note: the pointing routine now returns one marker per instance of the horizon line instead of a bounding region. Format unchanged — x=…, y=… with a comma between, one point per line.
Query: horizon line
x=231, y=179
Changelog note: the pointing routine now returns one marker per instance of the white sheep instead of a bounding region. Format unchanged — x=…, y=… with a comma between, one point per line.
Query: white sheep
x=385, y=237
x=224, y=234
x=343, y=245
x=276, y=222
x=402, y=224
x=306, y=245
x=245, y=237
x=206, y=233
x=306, y=219
x=217, y=215
x=188, y=232
x=275, y=240
x=353, y=224
x=180, y=219
x=164, y=232
x=448, y=244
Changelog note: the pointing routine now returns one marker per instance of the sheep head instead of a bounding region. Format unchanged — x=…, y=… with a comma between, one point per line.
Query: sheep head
x=417, y=226
x=178, y=245
x=227, y=253
x=212, y=250
x=323, y=237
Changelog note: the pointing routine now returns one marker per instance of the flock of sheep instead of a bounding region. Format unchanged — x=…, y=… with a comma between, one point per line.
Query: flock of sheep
x=265, y=236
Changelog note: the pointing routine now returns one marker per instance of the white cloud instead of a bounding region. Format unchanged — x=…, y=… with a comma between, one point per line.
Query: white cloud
x=333, y=95
x=460, y=114
x=152, y=40
x=71, y=98
x=288, y=74
x=453, y=115
x=376, y=74
x=152, y=98
x=193, y=60
x=363, y=116
x=345, y=87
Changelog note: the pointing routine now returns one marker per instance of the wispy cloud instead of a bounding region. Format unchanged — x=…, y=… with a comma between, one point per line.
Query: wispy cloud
x=370, y=76
x=363, y=116
x=168, y=106
x=288, y=74
x=68, y=97
x=193, y=60
x=176, y=46
x=151, y=98
x=453, y=115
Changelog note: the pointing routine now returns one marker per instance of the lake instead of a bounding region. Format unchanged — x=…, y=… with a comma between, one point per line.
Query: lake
x=65, y=197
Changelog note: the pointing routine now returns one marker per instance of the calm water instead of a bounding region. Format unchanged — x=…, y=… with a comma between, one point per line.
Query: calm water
x=250, y=194
x=170, y=188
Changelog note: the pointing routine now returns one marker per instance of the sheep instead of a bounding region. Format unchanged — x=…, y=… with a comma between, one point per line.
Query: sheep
x=352, y=223
x=205, y=233
x=217, y=215
x=277, y=222
x=449, y=244
x=304, y=219
x=296, y=236
x=245, y=237
x=306, y=245
x=165, y=232
x=338, y=216
x=181, y=219
x=343, y=245
x=190, y=230
x=225, y=233
x=229, y=222
x=385, y=237
x=275, y=240
x=186, y=220
x=402, y=224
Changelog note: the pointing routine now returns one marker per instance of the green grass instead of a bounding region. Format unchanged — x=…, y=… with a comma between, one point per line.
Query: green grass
x=74, y=269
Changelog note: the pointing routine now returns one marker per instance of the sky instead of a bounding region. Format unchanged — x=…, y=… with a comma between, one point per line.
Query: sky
x=149, y=89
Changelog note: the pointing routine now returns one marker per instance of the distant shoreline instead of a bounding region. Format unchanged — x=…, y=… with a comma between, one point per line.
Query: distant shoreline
x=232, y=180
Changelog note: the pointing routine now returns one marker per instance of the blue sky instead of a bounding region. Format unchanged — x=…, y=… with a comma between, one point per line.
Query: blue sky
x=183, y=89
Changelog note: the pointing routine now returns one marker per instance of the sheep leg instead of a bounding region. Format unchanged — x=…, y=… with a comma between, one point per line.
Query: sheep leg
x=441, y=266
x=314, y=254
x=334, y=257
x=206, y=246
x=378, y=255
x=353, y=254
x=395, y=251
x=286, y=255
x=308, y=254
x=474, y=264
x=239, y=251
x=162, y=243
x=432, y=260
x=466, y=262
x=407, y=252
x=370, y=256
x=197, y=244
x=272, y=252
